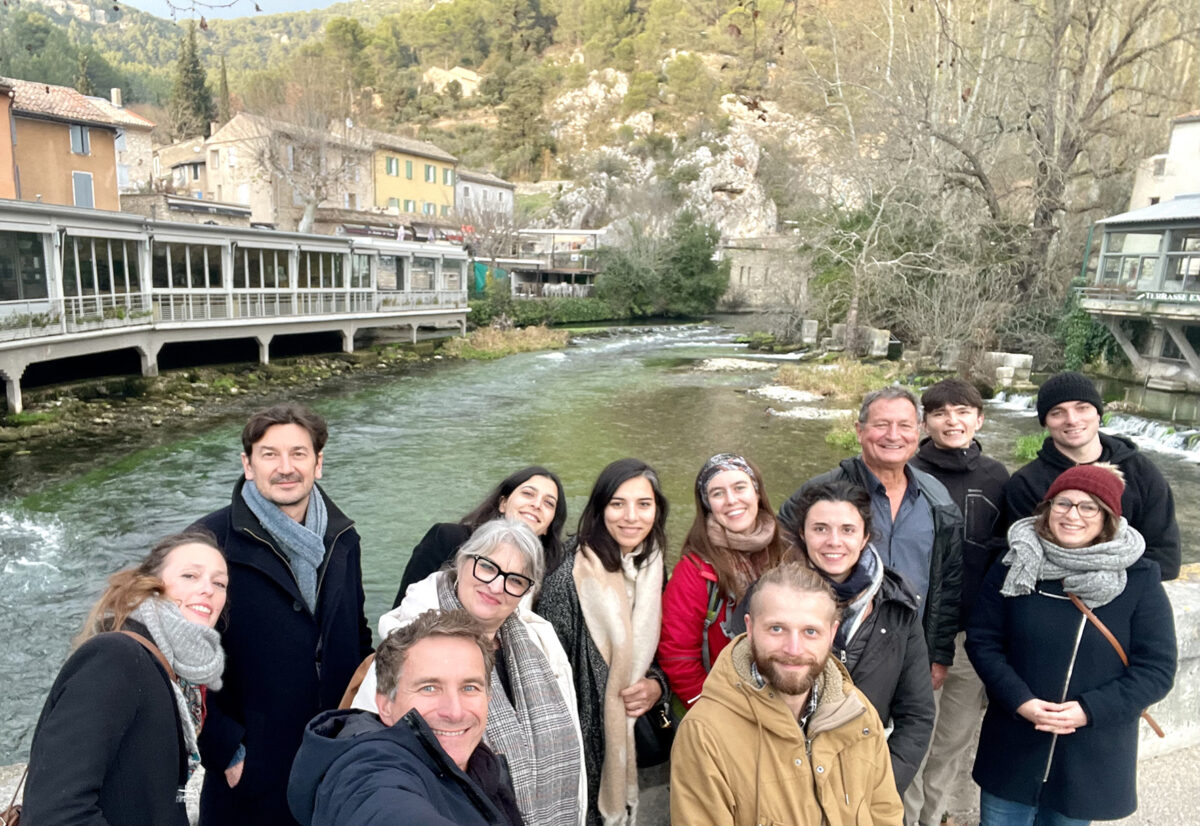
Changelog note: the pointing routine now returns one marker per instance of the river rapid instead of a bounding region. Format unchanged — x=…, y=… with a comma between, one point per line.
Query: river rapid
x=421, y=448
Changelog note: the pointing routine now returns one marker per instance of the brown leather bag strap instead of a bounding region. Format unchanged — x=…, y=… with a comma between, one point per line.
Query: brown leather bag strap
x=153, y=649
x=360, y=674
x=1108, y=635
x=12, y=815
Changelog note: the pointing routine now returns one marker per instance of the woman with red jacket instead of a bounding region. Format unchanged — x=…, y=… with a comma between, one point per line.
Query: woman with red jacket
x=733, y=540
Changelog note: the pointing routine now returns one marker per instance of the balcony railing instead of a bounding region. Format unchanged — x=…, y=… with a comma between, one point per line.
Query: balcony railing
x=1142, y=297
x=33, y=318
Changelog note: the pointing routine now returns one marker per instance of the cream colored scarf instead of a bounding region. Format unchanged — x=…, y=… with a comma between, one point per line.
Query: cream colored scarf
x=623, y=612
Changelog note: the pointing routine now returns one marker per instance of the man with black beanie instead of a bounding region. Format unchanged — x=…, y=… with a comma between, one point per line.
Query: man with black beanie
x=1070, y=407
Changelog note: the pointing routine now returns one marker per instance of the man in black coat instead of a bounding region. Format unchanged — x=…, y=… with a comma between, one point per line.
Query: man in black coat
x=421, y=760
x=296, y=630
x=953, y=412
x=1070, y=407
x=917, y=528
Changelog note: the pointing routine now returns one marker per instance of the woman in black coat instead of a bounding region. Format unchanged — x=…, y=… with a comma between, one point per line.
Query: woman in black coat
x=116, y=741
x=880, y=639
x=1059, y=740
x=533, y=494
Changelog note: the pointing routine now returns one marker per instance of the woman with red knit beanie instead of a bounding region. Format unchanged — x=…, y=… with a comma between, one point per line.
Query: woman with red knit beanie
x=1059, y=741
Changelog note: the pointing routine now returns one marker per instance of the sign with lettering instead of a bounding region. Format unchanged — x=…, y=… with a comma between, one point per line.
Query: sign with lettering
x=1177, y=298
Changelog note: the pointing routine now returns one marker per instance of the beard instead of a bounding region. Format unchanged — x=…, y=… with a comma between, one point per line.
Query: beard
x=787, y=681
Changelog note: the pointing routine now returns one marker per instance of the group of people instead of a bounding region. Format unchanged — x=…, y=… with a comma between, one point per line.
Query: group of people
x=829, y=663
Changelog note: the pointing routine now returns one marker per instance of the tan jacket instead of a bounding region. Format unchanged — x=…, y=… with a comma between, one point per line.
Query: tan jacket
x=741, y=758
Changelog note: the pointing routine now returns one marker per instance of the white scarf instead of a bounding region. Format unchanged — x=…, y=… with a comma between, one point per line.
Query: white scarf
x=623, y=612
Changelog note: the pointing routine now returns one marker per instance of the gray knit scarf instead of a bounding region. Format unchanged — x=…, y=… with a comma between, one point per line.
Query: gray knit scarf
x=532, y=728
x=303, y=545
x=1095, y=574
x=194, y=652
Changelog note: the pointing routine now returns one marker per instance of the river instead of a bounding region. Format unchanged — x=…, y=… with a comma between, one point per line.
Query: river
x=413, y=450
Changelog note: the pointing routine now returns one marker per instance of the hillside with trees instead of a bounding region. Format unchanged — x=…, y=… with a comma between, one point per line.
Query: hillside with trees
x=938, y=162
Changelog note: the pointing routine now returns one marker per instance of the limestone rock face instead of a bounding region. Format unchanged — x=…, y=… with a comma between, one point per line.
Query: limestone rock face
x=718, y=177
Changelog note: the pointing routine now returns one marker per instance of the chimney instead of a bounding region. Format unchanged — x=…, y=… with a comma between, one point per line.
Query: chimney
x=115, y=94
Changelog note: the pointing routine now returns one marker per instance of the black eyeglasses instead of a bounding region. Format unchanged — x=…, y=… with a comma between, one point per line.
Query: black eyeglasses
x=1086, y=509
x=485, y=570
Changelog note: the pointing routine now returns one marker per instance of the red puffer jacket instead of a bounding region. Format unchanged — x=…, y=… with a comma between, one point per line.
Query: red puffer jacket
x=685, y=605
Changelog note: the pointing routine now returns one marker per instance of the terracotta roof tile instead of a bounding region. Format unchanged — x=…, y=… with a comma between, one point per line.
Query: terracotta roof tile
x=66, y=103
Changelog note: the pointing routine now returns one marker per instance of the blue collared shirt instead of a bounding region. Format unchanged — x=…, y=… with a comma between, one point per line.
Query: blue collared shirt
x=906, y=543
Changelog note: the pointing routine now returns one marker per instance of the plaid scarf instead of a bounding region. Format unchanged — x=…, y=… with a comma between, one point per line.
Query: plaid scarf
x=532, y=728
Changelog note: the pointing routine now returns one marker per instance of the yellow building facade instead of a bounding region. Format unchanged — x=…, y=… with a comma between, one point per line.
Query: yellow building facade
x=412, y=177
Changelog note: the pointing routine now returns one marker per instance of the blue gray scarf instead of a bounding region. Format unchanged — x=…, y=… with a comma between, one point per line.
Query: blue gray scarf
x=303, y=545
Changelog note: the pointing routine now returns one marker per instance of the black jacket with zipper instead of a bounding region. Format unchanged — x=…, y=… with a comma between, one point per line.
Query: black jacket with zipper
x=283, y=665
x=888, y=662
x=976, y=484
x=1024, y=648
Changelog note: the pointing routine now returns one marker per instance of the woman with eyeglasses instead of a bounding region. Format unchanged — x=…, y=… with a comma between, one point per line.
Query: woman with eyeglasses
x=1059, y=740
x=532, y=718
x=605, y=602
x=531, y=494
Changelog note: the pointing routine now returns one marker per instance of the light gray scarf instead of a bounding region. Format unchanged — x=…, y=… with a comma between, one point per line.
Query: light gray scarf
x=193, y=651
x=303, y=545
x=1095, y=574
x=532, y=728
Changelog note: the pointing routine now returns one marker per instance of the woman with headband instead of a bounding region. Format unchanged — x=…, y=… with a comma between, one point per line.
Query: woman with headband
x=733, y=540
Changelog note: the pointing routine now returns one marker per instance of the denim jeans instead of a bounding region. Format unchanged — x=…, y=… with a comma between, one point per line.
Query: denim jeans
x=996, y=811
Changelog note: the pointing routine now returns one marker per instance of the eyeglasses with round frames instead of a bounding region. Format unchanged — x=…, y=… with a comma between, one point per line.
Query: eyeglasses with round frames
x=1087, y=509
x=486, y=571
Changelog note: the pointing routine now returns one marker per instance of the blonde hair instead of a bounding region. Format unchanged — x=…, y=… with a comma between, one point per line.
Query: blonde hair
x=131, y=587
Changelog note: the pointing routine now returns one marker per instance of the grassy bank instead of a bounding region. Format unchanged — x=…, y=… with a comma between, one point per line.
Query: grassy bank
x=841, y=379
x=494, y=343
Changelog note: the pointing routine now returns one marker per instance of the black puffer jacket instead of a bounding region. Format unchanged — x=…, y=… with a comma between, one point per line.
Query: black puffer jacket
x=888, y=662
x=976, y=484
x=945, y=563
x=352, y=770
x=1147, y=502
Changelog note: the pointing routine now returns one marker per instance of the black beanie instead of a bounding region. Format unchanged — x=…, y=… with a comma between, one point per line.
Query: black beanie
x=1067, y=387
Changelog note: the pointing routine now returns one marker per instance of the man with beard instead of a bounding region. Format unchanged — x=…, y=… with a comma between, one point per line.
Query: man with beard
x=296, y=630
x=780, y=734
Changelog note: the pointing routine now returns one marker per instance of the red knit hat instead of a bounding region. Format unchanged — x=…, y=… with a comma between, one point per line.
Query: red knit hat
x=1103, y=481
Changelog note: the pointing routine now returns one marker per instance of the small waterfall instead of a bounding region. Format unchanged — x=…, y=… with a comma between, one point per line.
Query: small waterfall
x=1156, y=435
x=1006, y=400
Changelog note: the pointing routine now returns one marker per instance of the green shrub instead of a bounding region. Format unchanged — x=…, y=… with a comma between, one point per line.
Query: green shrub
x=1027, y=447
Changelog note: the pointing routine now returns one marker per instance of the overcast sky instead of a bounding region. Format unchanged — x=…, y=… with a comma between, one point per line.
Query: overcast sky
x=211, y=9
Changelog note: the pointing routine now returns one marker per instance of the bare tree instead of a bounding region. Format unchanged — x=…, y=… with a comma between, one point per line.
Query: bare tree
x=311, y=145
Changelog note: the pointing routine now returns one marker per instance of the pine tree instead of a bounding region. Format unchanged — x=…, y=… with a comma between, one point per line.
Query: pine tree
x=83, y=83
x=190, y=108
x=224, y=102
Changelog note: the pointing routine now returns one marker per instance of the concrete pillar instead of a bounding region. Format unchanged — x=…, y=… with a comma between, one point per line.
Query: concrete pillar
x=414, y=333
x=348, y=339
x=462, y=323
x=264, y=348
x=11, y=374
x=1175, y=331
x=149, y=354
x=1139, y=362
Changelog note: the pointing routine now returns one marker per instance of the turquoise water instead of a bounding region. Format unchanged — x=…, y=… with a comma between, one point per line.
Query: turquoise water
x=406, y=452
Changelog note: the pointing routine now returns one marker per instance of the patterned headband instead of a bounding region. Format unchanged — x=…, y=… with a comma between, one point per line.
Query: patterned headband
x=718, y=464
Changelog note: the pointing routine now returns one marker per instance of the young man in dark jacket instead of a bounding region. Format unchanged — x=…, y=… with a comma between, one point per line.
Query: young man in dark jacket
x=953, y=413
x=917, y=527
x=1070, y=407
x=420, y=761
x=296, y=630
